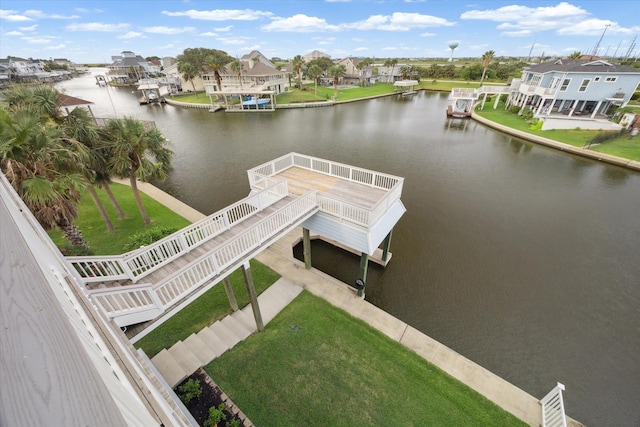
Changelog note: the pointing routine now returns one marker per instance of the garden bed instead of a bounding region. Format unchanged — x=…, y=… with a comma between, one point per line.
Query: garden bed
x=213, y=396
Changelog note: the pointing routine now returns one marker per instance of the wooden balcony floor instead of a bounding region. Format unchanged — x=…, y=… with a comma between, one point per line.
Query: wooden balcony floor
x=301, y=181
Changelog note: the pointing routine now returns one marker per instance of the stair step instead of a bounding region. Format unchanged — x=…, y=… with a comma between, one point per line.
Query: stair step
x=200, y=349
x=229, y=338
x=171, y=370
x=236, y=327
x=185, y=357
x=213, y=341
x=246, y=319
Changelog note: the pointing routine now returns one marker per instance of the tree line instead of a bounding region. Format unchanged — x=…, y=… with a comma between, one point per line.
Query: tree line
x=50, y=158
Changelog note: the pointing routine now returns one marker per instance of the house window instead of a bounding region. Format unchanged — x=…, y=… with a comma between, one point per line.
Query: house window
x=565, y=85
x=596, y=79
x=584, y=85
x=610, y=79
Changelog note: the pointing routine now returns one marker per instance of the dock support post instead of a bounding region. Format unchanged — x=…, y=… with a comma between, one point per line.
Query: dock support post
x=230, y=295
x=386, y=246
x=306, y=248
x=362, y=280
x=253, y=297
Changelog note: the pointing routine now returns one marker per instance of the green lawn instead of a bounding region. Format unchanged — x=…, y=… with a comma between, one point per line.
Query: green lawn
x=211, y=306
x=105, y=242
x=315, y=365
x=622, y=147
x=192, y=98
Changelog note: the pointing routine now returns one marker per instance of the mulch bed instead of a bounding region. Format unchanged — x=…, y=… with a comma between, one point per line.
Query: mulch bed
x=211, y=396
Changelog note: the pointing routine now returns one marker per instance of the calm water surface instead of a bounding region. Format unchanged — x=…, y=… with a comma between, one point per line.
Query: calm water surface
x=522, y=258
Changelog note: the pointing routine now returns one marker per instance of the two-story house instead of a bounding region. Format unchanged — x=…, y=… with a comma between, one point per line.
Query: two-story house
x=355, y=73
x=127, y=67
x=257, y=74
x=574, y=87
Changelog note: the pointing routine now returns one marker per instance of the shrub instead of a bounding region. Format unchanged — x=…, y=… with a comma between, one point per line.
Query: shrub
x=606, y=136
x=527, y=114
x=537, y=124
x=190, y=390
x=69, y=250
x=514, y=109
x=147, y=237
x=215, y=416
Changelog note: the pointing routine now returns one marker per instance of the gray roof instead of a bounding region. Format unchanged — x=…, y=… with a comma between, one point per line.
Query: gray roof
x=581, y=66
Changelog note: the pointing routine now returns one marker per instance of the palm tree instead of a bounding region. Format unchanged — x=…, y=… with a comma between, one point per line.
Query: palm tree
x=390, y=64
x=298, y=64
x=315, y=72
x=337, y=71
x=189, y=73
x=216, y=65
x=575, y=55
x=136, y=153
x=405, y=71
x=366, y=62
x=486, y=60
x=79, y=126
x=43, y=167
x=237, y=67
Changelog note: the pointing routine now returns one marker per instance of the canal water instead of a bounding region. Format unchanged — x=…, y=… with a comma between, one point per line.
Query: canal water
x=522, y=258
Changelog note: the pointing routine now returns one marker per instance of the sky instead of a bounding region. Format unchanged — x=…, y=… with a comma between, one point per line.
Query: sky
x=92, y=31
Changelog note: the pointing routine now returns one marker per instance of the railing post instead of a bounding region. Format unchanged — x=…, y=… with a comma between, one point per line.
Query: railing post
x=155, y=298
x=127, y=269
x=183, y=243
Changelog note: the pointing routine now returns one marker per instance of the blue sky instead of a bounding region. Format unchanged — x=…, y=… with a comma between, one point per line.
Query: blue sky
x=93, y=31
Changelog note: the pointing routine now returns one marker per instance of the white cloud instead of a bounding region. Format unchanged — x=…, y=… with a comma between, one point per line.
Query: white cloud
x=31, y=28
x=231, y=40
x=11, y=15
x=13, y=33
x=41, y=15
x=399, y=21
x=222, y=14
x=300, y=23
x=131, y=35
x=361, y=49
x=97, y=26
x=57, y=47
x=223, y=29
x=427, y=34
x=36, y=40
x=209, y=34
x=564, y=18
x=168, y=30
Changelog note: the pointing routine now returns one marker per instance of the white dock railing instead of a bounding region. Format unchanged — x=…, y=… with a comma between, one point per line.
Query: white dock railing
x=129, y=299
x=344, y=210
x=136, y=264
x=553, y=408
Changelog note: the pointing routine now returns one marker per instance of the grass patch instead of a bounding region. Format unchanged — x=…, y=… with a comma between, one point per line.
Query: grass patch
x=211, y=306
x=103, y=242
x=621, y=147
x=314, y=364
x=192, y=98
x=625, y=147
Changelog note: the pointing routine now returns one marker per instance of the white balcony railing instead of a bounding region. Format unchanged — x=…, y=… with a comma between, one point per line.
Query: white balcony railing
x=136, y=264
x=125, y=300
x=340, y=208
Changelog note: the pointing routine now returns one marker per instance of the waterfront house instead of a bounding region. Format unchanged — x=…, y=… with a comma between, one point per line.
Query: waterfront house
x=127, y=67
x=316, y=54
x=258, y=74
x=355, y=74
x=582, y=87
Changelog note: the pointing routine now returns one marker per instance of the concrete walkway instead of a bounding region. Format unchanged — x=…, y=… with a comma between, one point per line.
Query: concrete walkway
x=193, y=352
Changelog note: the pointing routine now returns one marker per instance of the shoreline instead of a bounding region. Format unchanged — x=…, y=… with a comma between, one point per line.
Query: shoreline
x=501, y=392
